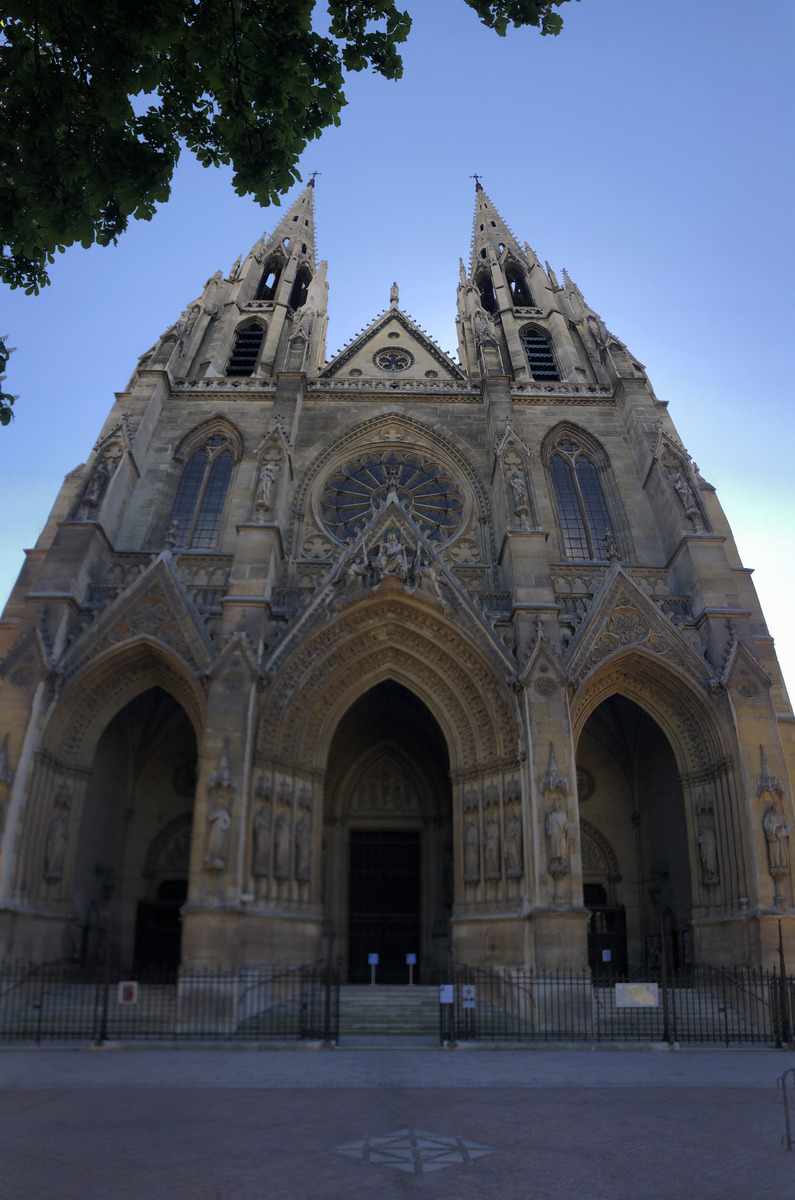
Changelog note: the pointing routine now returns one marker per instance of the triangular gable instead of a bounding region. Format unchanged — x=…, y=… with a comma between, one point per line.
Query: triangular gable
x=623, y=615
x=27, y=660
x=155, y=605
x=238, y=658
x=744, y=673
x=392, y=333
x=346, y=584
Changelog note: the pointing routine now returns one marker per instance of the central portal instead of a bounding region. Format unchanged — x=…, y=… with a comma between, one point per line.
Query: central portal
x=384, y=903
x=388, y=844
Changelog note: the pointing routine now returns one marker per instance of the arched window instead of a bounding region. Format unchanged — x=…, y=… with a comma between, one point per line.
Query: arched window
x=486, y=289
x=201, y=494
x=303, y=278
x=269, y=281
x=584, y=517
x=540, y=355
x=245, y=351
x=520, y=292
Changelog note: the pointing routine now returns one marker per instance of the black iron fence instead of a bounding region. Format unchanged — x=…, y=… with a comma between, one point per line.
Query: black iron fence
x=66, y=1000
x=694, y=1004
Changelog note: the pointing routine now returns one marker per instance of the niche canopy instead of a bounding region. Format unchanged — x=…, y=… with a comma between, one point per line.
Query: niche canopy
x=355, y=492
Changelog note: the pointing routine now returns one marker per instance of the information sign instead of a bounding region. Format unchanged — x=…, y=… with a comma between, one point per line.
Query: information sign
x=411, y=960
x=468, y=995
x=445, y=993
x=128, y=992
x=372, y=960
x=637, y=995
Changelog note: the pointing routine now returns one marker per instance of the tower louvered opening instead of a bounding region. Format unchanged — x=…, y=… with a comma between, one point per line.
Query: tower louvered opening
x=540, y=355
x=245, y=352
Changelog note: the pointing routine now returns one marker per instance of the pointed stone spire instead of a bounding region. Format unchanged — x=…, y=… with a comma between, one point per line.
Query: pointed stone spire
x=297, y=227
x=553, y=781
x=767, y=783
x=222, y=777
x=489, y=232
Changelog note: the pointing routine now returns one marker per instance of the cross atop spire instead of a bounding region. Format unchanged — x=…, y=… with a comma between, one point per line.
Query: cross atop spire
x=476, y=178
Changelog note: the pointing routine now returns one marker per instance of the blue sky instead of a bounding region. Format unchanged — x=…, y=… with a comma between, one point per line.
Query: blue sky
x=648, y=149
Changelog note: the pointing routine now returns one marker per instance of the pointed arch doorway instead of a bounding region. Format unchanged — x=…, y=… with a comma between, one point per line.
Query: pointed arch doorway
x=635, y=843
x=388, y=876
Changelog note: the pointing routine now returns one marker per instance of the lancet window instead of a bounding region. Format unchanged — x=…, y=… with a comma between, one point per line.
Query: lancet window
x=582, y=509
x=201, y=495
x=487, y=295
x=303, y=278
x=520, y=292
x=540, y=355
x=269, y=281
x=245, y=352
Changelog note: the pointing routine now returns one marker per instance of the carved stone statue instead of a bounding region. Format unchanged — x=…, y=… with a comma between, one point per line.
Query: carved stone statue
x=217, y=843
x=520, y=506
x=267, y=479
x=557, y=828
x=471, y=847
x=777, y=834
x=491, y=846
x=303, y=850
x=55, y=846
x=394, y=295
x=281, y=860
x=513, y=843
x=392, y=556
x=260, y=841
x=708, y=849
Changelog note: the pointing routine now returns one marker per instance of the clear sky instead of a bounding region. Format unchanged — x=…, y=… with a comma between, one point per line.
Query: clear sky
x=648, y=149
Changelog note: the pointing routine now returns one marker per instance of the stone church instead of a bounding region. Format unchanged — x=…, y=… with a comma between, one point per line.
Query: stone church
x=393, y=653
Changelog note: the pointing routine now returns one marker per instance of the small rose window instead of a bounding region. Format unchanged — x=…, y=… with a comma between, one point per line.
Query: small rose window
x=392, y=360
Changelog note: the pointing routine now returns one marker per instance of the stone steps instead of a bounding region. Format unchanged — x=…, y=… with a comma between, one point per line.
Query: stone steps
x=386, y=1010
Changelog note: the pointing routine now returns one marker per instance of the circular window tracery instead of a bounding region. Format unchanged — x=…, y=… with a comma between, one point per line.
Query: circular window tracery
x=356, y=491
x=393, y=359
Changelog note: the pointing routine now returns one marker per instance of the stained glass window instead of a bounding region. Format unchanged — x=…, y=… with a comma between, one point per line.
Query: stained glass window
x=583, y=512
x=201, y=495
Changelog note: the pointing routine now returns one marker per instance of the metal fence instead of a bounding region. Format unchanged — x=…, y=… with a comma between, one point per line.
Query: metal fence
x=65, y=1000
x=692, y=1005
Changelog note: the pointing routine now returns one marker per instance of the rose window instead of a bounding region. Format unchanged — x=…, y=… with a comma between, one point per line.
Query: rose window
x=392, y=360
x=354, y=493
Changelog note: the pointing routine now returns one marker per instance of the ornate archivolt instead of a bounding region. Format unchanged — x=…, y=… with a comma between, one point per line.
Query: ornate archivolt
x=388, y=637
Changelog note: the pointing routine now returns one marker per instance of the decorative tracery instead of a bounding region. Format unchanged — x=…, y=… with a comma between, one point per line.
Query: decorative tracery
x=584, y=517
x=356, y=491
x=196, y=516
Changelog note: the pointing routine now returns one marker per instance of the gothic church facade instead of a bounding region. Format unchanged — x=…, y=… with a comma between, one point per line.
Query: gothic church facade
x=391, y=654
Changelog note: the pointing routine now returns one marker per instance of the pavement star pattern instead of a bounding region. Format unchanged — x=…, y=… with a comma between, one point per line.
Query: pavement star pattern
x=414, y=1151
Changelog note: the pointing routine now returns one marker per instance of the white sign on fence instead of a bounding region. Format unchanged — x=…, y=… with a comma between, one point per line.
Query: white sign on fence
x=128, y=992
x=468, y=995
x=637, y=995
x=445, y=993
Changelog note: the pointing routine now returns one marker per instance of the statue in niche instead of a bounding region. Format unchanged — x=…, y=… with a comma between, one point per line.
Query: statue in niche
x=708, y=848
x=777, y=835
x=513, y=843
x=281, y=859
x=557, y=829
x=392, y=558
x=260, y=841
x=303, y=850
x=55, y=846
x=520, y=505
x=491, y=846
x=216, y=846
x=471, y=847
x=267, y=479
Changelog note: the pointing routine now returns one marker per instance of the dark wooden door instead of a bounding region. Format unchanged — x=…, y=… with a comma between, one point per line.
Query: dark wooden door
x=384, y=904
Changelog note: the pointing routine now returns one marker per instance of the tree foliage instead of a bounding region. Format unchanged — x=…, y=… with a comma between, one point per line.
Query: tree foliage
x=100, y=96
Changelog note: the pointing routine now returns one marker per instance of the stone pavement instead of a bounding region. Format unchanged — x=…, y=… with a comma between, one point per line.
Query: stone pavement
x=367, y=1124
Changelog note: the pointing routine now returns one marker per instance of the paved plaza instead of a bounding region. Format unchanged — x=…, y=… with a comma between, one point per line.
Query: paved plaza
x=372, y=1124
